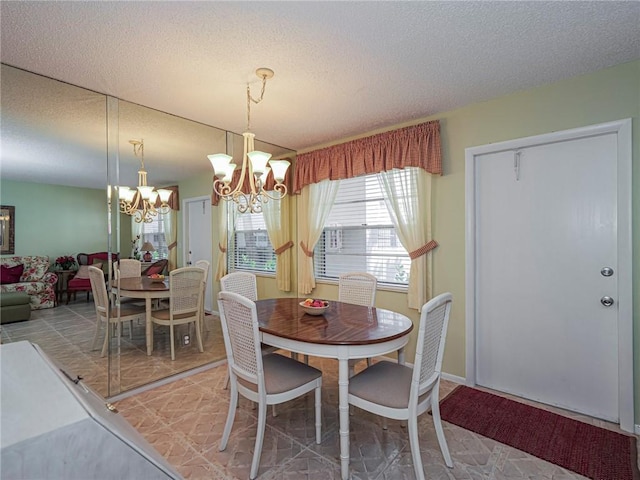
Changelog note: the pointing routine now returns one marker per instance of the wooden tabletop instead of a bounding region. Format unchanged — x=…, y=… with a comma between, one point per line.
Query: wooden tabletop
x=341, y=324
x=143, y=284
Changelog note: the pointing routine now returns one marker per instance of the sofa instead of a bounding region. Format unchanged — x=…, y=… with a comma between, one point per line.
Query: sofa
x=30, y=275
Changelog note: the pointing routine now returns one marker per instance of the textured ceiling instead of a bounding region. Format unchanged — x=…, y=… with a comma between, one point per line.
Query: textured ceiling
x=341, y=68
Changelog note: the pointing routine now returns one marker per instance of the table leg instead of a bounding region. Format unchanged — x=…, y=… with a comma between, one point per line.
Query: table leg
x=343, y=395
x=149, y=327
x=401, y=356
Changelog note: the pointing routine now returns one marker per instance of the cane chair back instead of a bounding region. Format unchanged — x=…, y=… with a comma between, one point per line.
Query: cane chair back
x=402, y=393
x=106, y=314
x=266, y=380
x=358, y=288
x=243, y=283
x=185, y=303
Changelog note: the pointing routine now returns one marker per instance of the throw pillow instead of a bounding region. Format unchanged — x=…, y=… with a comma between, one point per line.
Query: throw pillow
x=83, y=271
x=101, y=264
x=10, y=274
x=153, y=269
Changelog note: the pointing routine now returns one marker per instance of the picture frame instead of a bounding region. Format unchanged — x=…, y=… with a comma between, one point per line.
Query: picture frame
x=7, y=229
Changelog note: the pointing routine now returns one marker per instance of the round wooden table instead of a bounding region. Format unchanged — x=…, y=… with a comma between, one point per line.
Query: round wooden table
x=344, y=332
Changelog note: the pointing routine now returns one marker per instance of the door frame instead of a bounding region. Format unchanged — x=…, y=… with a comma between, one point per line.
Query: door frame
x=185, y=237
x=622, y=128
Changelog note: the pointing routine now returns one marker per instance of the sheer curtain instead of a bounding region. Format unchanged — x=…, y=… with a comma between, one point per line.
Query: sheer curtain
x=221, y=269
x=408, y=199
x=276, y=218
x=314, y=205
x=169, y=222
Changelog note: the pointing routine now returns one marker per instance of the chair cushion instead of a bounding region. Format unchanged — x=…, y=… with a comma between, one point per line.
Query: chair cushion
x=10, y=274
x=83, y=270
x=282, y=374
x=384, y=383
x=164, y=314
x=79, y=284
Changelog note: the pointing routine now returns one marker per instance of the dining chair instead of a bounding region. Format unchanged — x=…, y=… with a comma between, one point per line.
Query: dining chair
x=245, y=284
x=185, y=303
x=204, y=265
x=264, y=379
x=358, y=288
x=110, y=315
x=125, y=268
x=400, y=392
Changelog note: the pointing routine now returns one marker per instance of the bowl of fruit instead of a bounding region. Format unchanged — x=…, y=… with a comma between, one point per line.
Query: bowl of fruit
x=156, y=278
x=314, y=306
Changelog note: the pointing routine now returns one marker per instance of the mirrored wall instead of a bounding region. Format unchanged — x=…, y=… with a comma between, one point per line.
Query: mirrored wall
x=64, y=148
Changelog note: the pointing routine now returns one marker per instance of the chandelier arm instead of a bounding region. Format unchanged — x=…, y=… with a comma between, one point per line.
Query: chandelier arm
x=279, y=188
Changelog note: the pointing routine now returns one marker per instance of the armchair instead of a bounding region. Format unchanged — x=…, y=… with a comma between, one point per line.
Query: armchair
x=80, y=281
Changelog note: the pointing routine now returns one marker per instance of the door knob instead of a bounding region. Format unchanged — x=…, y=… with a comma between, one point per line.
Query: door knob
x=606, y=301
x=606, y=271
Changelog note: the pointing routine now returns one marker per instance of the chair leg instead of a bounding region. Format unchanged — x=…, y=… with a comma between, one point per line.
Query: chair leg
x=368, y=362
x=233, y=404
x=105, y=344
x=97, y=334
x=171, y=337
x=257, y=451
x=437, y=423
x=415, y=447
x=199, y=336
x=319, y=414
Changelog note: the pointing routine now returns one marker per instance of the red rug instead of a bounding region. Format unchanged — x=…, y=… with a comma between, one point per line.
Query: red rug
x=591, y=451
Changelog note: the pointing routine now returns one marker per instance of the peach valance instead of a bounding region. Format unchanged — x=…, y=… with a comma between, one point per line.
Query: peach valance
x=414, y=146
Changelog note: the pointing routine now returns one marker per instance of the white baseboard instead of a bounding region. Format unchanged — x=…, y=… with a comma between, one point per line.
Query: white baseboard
x=454, y=378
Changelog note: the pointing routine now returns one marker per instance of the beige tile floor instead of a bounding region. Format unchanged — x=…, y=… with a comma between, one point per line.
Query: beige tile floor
x=66, y=334
x=184, y=419
x=184, y=422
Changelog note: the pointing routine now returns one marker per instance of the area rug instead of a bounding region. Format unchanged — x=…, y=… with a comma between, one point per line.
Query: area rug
x=591, y=451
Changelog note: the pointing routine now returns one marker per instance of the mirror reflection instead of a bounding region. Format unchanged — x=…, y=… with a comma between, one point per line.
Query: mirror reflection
x=65, y=150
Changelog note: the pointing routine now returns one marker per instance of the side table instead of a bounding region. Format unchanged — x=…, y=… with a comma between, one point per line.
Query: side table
x=63, y=279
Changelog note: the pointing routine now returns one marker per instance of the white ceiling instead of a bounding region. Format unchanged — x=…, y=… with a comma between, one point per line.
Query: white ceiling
x=341, y=68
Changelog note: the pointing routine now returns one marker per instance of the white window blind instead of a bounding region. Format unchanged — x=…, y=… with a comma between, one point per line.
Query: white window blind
x=359, y=236
x=251, y=249
x=153, y=232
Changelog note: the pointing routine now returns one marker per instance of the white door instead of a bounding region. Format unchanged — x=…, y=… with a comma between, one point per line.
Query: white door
x=546, y=225
x=198, y=238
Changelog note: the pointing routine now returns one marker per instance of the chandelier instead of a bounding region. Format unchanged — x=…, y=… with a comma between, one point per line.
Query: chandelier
x=254, y=166
x=140, y=203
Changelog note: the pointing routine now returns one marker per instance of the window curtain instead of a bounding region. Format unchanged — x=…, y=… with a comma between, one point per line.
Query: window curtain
x=221, y=269
x=415, y=146
x=408, y=199
x=314, y=206
x=136, y=238
x=170, y=222
x=276, y=218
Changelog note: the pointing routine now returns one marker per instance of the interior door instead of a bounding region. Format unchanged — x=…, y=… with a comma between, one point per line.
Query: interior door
x=198, y=241
x=546, y=233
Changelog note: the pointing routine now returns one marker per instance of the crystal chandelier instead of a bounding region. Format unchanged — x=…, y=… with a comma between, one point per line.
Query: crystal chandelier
x=140, y=202
x=254, y=166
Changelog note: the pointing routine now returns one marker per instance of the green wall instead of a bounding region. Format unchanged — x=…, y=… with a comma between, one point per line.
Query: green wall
x=55, y=220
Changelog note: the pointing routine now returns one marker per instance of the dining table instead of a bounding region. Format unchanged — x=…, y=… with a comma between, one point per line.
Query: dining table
x=145, y=288
x=344, y=332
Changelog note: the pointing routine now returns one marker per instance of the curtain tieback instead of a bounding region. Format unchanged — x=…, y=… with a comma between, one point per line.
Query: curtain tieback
x=172, y=245
x=284, y=248
x=426, y=248
x=307, y=252
x=222, y=249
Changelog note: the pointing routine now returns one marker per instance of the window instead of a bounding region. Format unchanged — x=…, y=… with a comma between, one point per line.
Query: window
x=359, y=236
x=251, y=249
x=154, y=232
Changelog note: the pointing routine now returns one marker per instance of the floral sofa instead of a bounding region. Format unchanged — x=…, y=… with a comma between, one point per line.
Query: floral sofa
x=34, y=280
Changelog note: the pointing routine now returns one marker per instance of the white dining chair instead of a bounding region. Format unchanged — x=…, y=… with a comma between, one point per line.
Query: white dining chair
x=125, y=268
x=185, y=303
x=358, y=288
x=402, y=393
x=264, y=379
x=204, y=265
x=107, y=314
x=245, y=284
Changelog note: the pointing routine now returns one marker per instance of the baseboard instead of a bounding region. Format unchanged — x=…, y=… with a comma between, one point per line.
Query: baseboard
x=445, y=376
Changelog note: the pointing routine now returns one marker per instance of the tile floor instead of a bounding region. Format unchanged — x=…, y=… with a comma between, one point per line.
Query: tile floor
x=184, y=422
x=66, y=334
x=184, y=419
